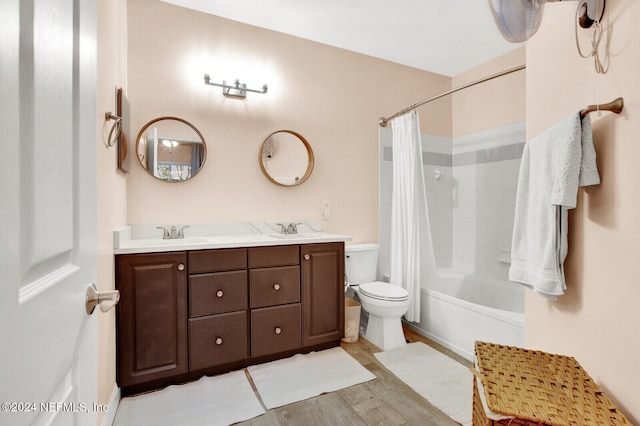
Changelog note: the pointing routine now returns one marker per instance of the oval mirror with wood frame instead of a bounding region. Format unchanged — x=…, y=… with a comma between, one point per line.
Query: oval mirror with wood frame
x=286, y=158
x=171, y=149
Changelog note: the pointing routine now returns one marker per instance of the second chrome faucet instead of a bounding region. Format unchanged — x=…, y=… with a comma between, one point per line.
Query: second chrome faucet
x=173, y=233
x=292, y=228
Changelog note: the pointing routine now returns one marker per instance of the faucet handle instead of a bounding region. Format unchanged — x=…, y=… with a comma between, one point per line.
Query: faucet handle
x=283, y=229
x=181, y=231
x=165, y=232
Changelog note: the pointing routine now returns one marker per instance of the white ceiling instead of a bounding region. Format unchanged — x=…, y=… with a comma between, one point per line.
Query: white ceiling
x=443, y=36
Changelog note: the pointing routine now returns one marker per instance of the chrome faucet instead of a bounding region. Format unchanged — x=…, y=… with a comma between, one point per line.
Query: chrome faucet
x=181, y=231
x=173, y=233
x=292, y=228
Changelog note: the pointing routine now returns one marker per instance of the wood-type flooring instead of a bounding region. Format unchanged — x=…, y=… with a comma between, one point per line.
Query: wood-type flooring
x=386, y=401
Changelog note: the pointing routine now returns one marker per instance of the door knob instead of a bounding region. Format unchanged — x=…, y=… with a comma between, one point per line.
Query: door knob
x=307, y=257
x=106, y=299
x=181, y=267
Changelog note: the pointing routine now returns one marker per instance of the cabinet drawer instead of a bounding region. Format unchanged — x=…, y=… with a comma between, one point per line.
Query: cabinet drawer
x=274, y=286
x=217, y=340
x=276, y=329
x=217, y=260
x=264, y=257
x=217, y=293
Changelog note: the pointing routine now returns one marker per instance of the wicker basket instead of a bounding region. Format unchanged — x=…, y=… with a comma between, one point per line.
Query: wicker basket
x=538, y=388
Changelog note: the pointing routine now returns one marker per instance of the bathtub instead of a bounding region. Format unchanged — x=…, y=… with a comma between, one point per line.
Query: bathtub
x=459, y=309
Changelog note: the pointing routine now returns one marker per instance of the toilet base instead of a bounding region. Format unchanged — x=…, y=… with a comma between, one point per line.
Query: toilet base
x=385, y=333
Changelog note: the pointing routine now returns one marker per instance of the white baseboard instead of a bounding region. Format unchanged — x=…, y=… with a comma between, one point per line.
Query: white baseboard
x=114, y=401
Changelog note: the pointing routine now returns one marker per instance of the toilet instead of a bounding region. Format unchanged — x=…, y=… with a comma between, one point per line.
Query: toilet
x=384, y=302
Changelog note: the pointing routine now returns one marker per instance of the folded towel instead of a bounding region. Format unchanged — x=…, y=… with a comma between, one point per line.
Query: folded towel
x=553, y=165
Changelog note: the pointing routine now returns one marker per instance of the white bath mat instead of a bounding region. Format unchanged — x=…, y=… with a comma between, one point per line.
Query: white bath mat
x=219, y=400
x=300, y=377
x=445, y=383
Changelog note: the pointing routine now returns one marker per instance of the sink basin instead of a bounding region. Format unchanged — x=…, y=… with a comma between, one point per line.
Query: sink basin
x=171, y=242
x=302, y=235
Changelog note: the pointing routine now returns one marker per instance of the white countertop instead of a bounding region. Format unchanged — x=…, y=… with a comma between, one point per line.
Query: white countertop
x=146, y=239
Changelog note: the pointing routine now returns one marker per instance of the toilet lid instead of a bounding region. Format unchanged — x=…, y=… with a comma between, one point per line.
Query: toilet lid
x=384, y=291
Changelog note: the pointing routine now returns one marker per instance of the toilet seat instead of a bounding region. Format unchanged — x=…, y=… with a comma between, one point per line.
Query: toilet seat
x=384, y=291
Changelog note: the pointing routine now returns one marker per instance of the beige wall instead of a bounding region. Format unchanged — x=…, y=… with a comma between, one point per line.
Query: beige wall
x=597, y=320
x=331, y=96
x=491, y=104
x=111, y=64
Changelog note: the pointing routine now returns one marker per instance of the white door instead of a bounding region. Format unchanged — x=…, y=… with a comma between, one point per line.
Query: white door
x=47, y=214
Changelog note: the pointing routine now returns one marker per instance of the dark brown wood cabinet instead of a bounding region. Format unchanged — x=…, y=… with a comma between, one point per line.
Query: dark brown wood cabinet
x=185, y=314
x=151, y=331
x=322, y=293
x=275, y=299
x=274, y=330
x=217, y=340
x=218, y=322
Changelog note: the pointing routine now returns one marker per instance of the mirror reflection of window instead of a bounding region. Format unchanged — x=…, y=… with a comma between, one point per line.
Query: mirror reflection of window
x=173, y=171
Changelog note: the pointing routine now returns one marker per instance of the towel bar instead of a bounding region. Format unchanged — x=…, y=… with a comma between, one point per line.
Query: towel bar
x=613, y=106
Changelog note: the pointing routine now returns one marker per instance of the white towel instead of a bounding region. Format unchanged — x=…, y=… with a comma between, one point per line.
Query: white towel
x=553, y=165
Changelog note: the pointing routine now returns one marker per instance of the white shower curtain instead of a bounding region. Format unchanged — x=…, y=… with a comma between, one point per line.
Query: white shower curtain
x=412, y=255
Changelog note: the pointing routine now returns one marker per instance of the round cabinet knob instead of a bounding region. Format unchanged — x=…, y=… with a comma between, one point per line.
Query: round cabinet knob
x=278, y=330
x=307, y=257
x=180, y=266
x=220, y=293
x=276, y=286
x=218, y=340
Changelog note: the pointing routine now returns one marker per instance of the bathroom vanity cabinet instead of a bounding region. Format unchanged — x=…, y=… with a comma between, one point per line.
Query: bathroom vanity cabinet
x=151, y=317
x=190, y=313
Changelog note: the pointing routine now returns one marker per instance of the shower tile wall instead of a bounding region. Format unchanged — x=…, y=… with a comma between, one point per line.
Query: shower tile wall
x=485, y=173
x=471, y=202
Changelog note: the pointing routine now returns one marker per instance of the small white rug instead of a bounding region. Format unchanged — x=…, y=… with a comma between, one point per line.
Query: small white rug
x=294, y=379
x=219, y=400
x=445, y=383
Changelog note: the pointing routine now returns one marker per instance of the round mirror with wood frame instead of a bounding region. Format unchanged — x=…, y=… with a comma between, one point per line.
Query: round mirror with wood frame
x=286, y=158
x=171, y=149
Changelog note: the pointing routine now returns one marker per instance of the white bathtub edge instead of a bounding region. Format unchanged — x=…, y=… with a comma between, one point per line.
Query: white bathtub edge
x=514, y=318
x=441, y=314
x=459, y=351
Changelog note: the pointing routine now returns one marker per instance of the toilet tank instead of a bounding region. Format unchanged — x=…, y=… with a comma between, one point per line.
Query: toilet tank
x=361, y=262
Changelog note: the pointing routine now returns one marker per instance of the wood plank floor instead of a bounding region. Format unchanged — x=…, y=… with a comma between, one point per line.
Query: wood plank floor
x=385, y=401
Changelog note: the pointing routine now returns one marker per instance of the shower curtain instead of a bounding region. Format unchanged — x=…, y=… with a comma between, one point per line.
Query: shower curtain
x=412, y=255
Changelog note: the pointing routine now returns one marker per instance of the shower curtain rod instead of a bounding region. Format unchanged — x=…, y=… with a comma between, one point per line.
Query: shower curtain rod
x=383, y=121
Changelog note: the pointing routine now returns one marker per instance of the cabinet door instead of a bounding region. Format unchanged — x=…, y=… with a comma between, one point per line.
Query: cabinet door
x=151, y=317
x=322, y=293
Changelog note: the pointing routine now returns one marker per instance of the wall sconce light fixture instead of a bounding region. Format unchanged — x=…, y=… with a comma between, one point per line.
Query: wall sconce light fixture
x=237, y=89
